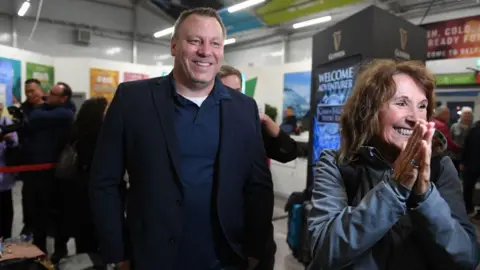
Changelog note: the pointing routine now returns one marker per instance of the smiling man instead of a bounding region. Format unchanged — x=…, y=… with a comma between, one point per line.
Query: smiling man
x=201, y=194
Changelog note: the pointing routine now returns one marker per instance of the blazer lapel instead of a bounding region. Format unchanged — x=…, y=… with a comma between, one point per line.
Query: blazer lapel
x=163, y=99
x=227, y=136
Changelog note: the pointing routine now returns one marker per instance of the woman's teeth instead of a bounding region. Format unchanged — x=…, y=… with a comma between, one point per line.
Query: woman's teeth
x=404, y=131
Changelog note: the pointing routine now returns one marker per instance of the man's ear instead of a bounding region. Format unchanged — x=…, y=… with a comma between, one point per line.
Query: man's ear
x=173, y=46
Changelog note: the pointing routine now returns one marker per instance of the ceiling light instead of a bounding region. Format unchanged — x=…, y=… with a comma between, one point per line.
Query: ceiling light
x=312, y=22
x=229, y=41
x=114, y=50
x=244, y=5
x=24, y=8
x=163, y=32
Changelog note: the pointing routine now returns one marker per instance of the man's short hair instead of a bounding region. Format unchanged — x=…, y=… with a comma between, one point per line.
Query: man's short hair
x=227, y=70
x=201, y=11
x=29, y=81
x=67, y=90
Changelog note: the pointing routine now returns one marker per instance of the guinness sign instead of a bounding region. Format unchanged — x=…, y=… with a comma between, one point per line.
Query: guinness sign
x=403, y=38
x=337, y=39
x=403, y=45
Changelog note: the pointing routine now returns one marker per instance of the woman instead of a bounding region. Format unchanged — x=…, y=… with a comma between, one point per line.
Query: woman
x=7, y=180
x=84, y=138
x=406, y=209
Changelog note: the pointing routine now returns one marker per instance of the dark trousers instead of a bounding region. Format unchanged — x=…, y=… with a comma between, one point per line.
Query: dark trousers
x=28, y=204
x=469, y=180
x=6, y=214
x=43, y=201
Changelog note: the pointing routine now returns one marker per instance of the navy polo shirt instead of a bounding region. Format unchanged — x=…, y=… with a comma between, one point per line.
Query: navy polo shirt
x=198, y=132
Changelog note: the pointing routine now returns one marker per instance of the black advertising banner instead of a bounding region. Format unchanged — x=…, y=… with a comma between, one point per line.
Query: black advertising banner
x=333, y=83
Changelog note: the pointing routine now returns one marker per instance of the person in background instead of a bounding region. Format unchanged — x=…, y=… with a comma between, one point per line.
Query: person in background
x=278, y=145
x=289, y=124
x=34, y=94
x=385, y=201
x=200, y=192
x=48, y=127
x=459, y=132
x=77, y=213
x=441, y=118
x=470, y=166
x=7, y=180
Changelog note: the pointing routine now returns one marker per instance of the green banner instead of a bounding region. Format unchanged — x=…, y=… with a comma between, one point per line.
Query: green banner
x=250, y=86
x=45, y=74
x=280, y=11
x=455, y=79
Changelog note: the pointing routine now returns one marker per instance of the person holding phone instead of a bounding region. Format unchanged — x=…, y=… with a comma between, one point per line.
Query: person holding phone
x=406, y=209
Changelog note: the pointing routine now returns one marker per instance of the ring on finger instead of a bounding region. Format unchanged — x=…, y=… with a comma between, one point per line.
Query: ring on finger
x=414, y=163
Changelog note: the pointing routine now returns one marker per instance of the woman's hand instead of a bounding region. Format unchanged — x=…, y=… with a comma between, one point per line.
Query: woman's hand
x=407, y=165
x=423, y=183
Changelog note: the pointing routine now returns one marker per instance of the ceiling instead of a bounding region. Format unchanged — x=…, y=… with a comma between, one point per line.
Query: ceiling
x=274, y=18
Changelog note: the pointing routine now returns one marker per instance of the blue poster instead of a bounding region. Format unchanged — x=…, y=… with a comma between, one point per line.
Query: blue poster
x=333, y=84
x=10, y=81
x=296, y=92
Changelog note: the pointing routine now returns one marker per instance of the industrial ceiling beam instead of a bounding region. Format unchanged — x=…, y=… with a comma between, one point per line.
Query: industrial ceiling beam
x=110, y=4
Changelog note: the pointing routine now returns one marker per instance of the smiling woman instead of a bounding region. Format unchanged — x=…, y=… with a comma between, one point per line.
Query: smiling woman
x=386, y=200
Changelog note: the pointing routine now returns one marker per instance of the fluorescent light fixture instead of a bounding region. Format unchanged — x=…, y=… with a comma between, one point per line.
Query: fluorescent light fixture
x=244, y=5
x=163, y=32
x=24, y=8
x=229, y=41
x=312, y=22
x=114, y=50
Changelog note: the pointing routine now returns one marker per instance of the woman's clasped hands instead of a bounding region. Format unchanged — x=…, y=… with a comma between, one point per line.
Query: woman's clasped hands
x=412, y=167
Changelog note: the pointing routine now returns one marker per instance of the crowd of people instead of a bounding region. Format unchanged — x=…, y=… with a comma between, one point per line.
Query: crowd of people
x=184, y=183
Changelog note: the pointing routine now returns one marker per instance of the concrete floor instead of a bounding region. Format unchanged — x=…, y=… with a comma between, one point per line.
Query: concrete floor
x=284, y=260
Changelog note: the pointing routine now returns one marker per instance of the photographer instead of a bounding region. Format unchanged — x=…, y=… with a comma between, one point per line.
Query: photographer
x=48, y=127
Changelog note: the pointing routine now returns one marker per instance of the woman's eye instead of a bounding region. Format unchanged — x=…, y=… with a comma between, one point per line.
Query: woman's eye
x=402, y=103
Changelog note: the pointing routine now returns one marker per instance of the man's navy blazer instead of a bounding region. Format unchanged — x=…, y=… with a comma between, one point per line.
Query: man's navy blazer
x=138, y=136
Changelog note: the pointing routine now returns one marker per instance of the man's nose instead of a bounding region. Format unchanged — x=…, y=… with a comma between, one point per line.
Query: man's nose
x=205, y=49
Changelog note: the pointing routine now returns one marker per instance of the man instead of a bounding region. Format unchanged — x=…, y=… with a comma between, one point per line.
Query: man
x=278, y=146
x=470, y=161
x=459, y=132
x=34, y=94
x=200, y=194
x=48, y=128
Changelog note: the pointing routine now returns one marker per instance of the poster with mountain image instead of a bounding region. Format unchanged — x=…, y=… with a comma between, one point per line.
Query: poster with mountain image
x=296, y=93
x=10, y=81
x=333, y=84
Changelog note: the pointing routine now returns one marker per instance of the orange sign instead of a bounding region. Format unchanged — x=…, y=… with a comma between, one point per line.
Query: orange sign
x=103, y=83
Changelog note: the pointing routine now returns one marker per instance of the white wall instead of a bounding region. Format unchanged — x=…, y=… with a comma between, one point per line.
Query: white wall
x=56, y=37
x=76, y=71
x=458, y=65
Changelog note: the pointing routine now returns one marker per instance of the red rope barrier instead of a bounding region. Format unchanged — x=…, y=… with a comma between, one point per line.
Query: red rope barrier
x=27, y=168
